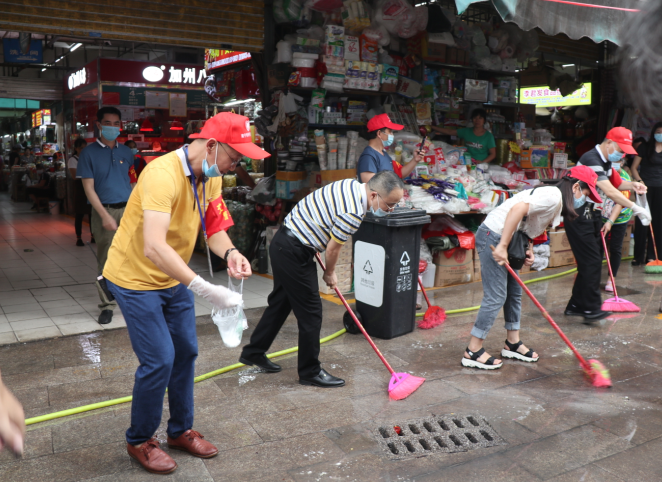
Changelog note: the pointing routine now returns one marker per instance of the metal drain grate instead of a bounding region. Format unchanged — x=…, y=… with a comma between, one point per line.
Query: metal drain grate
x=437, y=434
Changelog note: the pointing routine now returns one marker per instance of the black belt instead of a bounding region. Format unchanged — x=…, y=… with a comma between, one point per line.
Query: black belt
x=115, y=206
x=288, y=232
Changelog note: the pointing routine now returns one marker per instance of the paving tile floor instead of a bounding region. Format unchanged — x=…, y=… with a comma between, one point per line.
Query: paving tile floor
x=269, y=428
x=47, y=282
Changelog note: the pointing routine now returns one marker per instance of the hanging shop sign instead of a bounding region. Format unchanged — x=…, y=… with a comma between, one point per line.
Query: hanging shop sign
x=215, y=58
x=77, y=79
x=115, y=70
x=545, y=97
x=14, y=54
x=41, y=117
x=146, y=97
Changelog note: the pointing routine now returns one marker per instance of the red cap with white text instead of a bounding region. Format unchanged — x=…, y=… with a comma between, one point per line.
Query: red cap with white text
x=622, y=137
x=233, y=130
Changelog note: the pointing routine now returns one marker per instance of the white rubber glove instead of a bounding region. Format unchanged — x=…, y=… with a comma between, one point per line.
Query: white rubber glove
x=644, y=216
x=219, y=296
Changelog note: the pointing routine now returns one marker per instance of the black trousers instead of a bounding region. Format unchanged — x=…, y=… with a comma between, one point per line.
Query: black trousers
x=654, y=198
x=295, y=289
x=640, y=236
x=584, y=237
x=615, y=245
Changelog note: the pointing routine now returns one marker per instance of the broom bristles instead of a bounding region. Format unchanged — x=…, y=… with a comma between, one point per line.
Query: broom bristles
x=620, y=305
x=599, y=374
x=434, y=316
x=402, y=385
x=653, y=267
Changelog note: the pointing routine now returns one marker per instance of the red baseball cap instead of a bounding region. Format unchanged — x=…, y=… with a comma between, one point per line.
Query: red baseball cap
x=622, y=137
x=589, y=176
x=233, y=130
x=382, y=121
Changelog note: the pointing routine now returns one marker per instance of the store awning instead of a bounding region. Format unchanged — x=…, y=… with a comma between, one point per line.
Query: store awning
x=598, y=20
x=232, y=25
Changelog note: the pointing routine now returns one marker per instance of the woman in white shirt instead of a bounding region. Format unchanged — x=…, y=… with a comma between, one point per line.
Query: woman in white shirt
x=530, y=212
x=81, y=205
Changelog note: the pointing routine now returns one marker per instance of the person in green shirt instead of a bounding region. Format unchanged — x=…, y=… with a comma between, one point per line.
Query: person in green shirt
x=479, y=141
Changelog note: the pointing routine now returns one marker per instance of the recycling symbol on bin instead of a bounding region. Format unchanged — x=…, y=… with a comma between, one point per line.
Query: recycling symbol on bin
x=404, y=260
x=368, y=267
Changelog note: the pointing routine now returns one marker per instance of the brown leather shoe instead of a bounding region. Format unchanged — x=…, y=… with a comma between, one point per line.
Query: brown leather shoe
x=152, y=458
x=193, y=443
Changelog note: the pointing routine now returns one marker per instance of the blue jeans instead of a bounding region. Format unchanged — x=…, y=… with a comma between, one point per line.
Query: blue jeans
x=161, y=326
x=499, y=288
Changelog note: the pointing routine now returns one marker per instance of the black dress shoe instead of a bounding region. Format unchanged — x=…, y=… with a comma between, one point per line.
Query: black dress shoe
x=79, y=242
x=596, y=315
x=263, y=362
x=105, y=317
x=323, y=380
x=637, y=263
x=573, y=312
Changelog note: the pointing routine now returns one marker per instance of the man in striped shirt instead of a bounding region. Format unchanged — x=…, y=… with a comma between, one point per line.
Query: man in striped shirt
x=322, y=221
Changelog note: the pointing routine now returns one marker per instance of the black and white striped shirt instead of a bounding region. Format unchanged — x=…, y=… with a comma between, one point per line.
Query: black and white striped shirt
x=332, y=212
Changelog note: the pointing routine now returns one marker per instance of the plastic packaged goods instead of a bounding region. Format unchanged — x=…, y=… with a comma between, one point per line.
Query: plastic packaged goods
x=231, y=322
x=287, y=10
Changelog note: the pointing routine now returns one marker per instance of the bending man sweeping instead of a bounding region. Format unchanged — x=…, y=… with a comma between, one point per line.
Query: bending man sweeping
x=148, y=275
x=322, y=221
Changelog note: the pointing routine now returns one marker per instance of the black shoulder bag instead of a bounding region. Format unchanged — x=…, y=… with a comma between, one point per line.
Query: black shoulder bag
x=518, y=246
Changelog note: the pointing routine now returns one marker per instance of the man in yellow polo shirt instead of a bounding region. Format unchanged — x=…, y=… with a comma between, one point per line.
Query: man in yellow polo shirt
x=148, y=275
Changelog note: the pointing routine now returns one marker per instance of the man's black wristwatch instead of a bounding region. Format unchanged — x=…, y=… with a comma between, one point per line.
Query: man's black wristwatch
x=227, y=253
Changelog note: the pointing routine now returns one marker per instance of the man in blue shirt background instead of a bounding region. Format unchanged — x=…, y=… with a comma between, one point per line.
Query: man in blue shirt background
x=373, y=158
x=104, y=167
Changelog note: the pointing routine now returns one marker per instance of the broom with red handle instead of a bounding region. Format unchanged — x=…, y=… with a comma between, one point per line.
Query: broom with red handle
x=616, y=304
x=595, y=370
x=402, y=384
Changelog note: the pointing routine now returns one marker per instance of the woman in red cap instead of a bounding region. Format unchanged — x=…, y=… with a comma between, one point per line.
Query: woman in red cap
x=373, y=158
x=584, y=231
x=529, y=212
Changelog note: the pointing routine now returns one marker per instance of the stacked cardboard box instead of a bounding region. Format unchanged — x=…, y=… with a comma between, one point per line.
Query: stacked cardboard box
x=453, y=266
x=559, y=248
x=344, y=271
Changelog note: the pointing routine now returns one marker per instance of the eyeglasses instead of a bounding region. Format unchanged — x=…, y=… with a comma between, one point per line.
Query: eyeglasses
x=235, y=161
x=390, y=206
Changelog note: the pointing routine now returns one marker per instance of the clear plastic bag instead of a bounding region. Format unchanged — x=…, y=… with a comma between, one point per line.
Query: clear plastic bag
x=231, y=322
x=643, y=202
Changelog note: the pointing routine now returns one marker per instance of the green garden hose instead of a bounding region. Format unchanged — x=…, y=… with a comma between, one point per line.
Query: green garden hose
x=205, y=376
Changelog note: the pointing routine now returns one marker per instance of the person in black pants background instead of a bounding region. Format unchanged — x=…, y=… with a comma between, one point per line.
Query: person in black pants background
x=81, y=206
x=639, y=232
x=649, y=157
x=584, y=232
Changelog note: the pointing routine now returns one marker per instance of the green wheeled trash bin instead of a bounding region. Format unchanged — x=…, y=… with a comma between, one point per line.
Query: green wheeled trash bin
x=386, y=253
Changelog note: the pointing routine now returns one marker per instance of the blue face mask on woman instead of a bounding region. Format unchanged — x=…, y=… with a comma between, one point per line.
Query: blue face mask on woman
x=134, y=151
x=577, y=203
x=110, y=132
x=658, y=137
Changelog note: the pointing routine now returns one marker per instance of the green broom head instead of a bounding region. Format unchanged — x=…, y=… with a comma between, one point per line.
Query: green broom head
x=653, y=267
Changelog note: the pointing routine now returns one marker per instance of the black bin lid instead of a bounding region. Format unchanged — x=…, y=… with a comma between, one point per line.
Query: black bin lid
x=400, y=216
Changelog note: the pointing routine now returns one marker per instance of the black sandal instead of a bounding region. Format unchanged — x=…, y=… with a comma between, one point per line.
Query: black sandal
x=474, y=363
x=512, y=352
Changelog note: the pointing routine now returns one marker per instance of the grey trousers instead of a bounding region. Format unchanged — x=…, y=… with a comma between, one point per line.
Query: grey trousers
x=104, y=239
x=499, y=288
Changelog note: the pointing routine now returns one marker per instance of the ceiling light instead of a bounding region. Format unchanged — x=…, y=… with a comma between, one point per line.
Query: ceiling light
x=44, y=69
x=235, y=102
x=176, y=126
x=75, y=47
x=146, y=126
x=568, y=65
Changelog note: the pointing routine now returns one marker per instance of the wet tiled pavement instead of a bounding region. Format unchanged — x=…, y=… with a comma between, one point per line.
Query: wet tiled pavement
x=269, y=428
x=47, y=282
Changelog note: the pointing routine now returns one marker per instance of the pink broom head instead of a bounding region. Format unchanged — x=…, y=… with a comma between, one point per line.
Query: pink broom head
x=599, y=374
x=620, y=305
x=434, y=316
x=402, y=385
